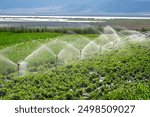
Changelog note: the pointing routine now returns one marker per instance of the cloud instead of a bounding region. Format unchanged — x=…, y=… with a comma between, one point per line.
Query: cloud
x=32, y=11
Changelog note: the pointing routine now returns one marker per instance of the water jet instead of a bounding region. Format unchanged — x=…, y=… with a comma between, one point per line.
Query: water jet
x=70, y=48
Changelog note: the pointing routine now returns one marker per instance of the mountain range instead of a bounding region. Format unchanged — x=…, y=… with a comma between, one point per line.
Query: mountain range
x=75, y=7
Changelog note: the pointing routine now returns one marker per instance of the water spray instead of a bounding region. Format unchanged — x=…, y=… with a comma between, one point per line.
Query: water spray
x=113, y=45
x=83, y=46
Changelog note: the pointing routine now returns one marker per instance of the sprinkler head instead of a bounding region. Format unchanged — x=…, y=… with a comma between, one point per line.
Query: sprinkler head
x=18, y=64
x=18, y=67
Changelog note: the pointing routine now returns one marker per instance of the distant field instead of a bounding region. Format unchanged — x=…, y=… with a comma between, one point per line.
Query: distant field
x=75, y=22
x=9, y=38
x=137, y=24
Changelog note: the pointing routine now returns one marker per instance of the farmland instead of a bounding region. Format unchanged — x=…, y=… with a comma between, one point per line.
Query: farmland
x=85, y=69
x=8, y=38
x=131, y=23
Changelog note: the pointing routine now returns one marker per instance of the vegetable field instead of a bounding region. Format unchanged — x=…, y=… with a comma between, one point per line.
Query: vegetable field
x=70, y=66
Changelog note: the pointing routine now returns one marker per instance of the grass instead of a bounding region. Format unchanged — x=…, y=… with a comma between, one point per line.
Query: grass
x=10, y=38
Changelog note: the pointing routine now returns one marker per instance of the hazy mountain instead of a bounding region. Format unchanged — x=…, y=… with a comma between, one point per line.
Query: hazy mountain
x=74, y=7
x=111, y=6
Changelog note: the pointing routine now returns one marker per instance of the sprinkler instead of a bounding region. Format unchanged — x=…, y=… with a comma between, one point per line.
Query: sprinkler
x=56, y=61
x=18, y=68
x=100, y=50
x=80, y=54
x=113, y=45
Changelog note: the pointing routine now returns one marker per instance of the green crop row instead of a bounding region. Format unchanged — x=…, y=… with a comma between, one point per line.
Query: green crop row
x=64, y=30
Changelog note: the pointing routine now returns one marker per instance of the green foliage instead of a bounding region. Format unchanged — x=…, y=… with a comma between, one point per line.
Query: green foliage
x=11, y=38
x=87, y=30
x=119, y=74
x=132, y=91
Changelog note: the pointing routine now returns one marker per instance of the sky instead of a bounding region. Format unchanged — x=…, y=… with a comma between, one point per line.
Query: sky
x=74, y=7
